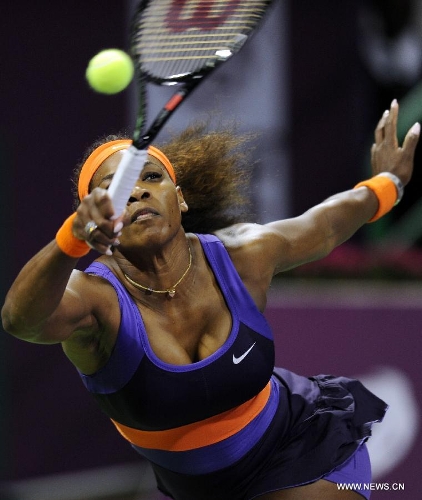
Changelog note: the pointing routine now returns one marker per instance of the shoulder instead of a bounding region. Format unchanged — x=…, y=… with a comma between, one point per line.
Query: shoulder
x=254, y=250
x=88, y=285
x=248, y=238
x=94, y=290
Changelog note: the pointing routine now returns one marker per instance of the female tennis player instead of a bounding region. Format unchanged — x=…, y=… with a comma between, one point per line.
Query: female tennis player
x=166, y=326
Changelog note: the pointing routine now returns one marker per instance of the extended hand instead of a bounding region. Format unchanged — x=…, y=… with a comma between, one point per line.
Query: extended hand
x=94, y=223
x=386, y=154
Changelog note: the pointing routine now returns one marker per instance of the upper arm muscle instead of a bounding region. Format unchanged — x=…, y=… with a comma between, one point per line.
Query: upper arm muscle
x=74, y=312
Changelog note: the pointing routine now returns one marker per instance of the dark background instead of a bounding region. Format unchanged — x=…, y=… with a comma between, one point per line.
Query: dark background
x=329, y=103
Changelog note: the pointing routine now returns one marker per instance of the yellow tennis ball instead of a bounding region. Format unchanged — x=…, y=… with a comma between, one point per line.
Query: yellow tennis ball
x=110, y=71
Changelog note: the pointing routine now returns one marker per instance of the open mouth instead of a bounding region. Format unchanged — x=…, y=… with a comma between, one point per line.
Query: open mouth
x=144, y=214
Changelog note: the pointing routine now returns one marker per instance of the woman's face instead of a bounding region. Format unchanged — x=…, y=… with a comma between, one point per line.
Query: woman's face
x=155, y=205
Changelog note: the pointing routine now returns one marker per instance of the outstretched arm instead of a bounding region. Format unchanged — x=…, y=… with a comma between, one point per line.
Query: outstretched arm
x=259, y=252
x=49, y=300
x=314, y=234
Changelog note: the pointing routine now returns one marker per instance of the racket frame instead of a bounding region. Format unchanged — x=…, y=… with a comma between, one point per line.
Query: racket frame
x=134, y=158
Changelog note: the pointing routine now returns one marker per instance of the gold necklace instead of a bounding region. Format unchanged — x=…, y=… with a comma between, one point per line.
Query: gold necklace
x=171, y=292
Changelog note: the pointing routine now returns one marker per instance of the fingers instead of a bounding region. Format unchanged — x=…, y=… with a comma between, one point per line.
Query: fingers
x=379, y=130
x=94, y=224
x=411, y=141
x=412, y=137
x=373, y=156
x=386, y=155
x=387, y=126
x=390, y=133
x=99, y=241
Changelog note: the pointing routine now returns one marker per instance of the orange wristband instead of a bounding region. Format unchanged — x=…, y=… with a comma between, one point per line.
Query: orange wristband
x=385, y=190
x=69, y=244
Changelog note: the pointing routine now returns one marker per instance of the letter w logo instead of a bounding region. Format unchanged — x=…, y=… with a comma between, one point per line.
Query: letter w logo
x=180, y=17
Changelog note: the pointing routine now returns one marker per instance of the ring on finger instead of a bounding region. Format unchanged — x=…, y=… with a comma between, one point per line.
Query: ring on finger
x=90, y=245
x=90, y=227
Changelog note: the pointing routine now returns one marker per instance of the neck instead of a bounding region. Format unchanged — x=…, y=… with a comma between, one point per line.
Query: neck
x=163, y=274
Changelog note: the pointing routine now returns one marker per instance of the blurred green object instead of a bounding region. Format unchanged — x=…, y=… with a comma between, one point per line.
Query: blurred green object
x=410, y=110
x=405, y=232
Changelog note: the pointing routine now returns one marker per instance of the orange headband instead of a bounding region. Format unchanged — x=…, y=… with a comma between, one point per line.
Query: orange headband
x=100, y=154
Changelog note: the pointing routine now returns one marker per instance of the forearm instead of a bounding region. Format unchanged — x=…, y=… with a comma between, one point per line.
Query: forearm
x=345, y=213
x=37, y=292
x=313, y=235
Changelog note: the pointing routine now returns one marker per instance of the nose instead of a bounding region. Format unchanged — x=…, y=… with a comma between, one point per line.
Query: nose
x=139, y=193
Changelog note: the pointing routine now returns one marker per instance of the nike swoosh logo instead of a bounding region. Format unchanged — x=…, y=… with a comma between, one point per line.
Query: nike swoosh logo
x=238, y=360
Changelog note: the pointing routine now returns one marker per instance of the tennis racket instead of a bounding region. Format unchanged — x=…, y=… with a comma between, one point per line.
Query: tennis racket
x=178, y=42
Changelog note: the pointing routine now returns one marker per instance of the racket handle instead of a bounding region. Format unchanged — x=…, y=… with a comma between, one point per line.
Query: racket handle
x=125, y=178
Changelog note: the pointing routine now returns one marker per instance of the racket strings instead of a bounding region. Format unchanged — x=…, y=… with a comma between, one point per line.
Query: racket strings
x=174, y=38
x=189, y=7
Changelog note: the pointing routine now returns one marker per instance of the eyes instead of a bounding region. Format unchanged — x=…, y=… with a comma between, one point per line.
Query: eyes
x=151, y=176
x=146, y=176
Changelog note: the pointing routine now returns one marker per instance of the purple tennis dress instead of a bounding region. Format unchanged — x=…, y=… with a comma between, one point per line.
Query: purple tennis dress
x=231, y=426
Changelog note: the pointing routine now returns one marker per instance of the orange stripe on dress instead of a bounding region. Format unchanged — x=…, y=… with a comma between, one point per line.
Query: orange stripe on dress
x=199, y=434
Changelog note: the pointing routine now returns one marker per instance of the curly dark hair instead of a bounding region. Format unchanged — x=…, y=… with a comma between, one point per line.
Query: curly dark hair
x=213, y=168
